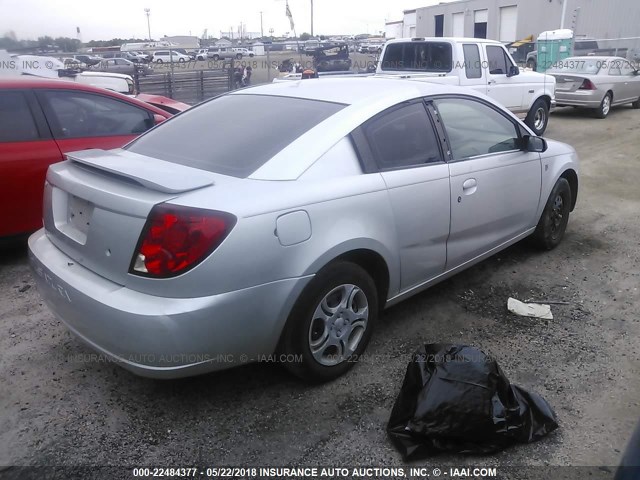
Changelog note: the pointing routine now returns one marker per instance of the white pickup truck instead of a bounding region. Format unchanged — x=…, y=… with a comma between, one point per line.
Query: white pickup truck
x=484, y=65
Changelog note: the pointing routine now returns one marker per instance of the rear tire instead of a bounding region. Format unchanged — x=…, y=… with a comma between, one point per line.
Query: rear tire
x=331, y=323
x=239, y=56
x=605, y=106
x=636, y=104
x=216, y=58
x=159, y=60
x=538, y=117
x=531, y=64
x=555, y=216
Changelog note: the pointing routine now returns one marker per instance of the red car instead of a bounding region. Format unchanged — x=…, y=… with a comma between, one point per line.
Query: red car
x=40, y=121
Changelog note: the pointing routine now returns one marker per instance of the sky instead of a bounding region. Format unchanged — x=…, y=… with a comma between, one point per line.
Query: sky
x=106, y=19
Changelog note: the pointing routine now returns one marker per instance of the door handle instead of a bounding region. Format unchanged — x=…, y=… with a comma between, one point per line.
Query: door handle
x=469, y=186
x=491, y=82
x=469, y=183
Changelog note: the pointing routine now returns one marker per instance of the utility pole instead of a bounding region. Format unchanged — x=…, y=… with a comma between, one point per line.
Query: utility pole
x=261, y=29
x=147, y=11
x=564, y=13
x=312, y=18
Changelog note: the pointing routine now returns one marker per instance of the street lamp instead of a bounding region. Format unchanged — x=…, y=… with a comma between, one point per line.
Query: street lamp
x=147, y=12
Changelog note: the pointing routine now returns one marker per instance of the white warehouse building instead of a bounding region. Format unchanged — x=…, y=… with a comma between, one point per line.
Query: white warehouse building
x=511, y=20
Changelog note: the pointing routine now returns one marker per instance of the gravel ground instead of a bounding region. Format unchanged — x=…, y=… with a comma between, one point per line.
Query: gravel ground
x=58, y=410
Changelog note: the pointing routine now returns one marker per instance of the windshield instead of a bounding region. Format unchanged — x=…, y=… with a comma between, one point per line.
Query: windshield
x=418, y=56
x=233, y=134
x=584, y=66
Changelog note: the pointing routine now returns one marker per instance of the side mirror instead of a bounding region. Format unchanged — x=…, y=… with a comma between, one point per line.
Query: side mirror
x=513, y=71
x=534, y=144
x=157, y=118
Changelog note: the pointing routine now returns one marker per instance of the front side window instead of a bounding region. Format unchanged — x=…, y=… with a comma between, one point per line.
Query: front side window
x=403, y=137
x=82, y=114
x=16, y=122
x=418, y=56
x=498, y=62
x=213, y=136
x=474, y=128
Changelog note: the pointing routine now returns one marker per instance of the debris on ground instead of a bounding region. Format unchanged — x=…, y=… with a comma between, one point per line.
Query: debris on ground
x=536, y=310
x=455, y=398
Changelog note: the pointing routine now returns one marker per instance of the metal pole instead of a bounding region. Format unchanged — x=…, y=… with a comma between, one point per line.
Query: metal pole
x=564, y=12
x=261, y=29
x=312, y=18
x=268, y=64
x=148, y=12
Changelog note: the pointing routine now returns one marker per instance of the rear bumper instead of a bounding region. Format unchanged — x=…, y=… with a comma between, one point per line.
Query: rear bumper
x=162, y=337
x=581, y=98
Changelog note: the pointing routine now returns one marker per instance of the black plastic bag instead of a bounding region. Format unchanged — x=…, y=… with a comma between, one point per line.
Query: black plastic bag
x=455, y=398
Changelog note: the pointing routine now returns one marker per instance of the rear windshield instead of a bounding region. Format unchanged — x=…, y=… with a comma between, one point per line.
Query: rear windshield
x=233, y=134
x=418, y=56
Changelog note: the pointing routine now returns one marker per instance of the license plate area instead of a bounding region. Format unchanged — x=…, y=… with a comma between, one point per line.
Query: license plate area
x=72, y=215
x=79, y=214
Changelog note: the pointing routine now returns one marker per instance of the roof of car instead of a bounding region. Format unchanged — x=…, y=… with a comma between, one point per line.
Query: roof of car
x=355, y=89
x=27, y=81
x=444, y=39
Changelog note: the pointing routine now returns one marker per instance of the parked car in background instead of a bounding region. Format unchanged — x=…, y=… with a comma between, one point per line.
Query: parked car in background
x=244, y=51
x=597, y=83
x=200, y=54
x=40, y=121
x=167, y=56
x=121, y=65
x=331, y=58
x=222, y=53
x=484, y=65
x=133, y=57
x=151, y=248
x=89, y=60
x=520, y=49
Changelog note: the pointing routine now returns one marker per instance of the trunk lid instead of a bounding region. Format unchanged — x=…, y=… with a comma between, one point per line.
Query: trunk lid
x=96, y=204
x=568, y=83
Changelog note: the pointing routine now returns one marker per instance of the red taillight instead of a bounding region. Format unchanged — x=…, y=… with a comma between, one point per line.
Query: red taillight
x=587, y=85
x=177, y=238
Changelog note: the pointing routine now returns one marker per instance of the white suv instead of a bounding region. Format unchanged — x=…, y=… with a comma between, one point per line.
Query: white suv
x=162, y=56
x=244, y=51
x=220, y=53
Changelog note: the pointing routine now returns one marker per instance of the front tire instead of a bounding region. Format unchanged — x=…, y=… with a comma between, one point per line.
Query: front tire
x=605, y=106
x=555, y=216
x=159, y=60
x=538, y=117
x=636, y=104
x=331, y=323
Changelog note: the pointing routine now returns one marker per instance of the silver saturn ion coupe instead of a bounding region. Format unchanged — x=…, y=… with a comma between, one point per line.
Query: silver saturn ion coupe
x=198, y=247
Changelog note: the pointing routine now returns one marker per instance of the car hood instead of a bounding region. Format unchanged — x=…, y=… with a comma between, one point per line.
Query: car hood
x=534, y=77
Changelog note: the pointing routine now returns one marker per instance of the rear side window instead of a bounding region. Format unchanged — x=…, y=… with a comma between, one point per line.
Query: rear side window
x=472, y=66
x=403, y=137
x=234, y=134
x=16, y=122
x=418, y=56
x=81, y=114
